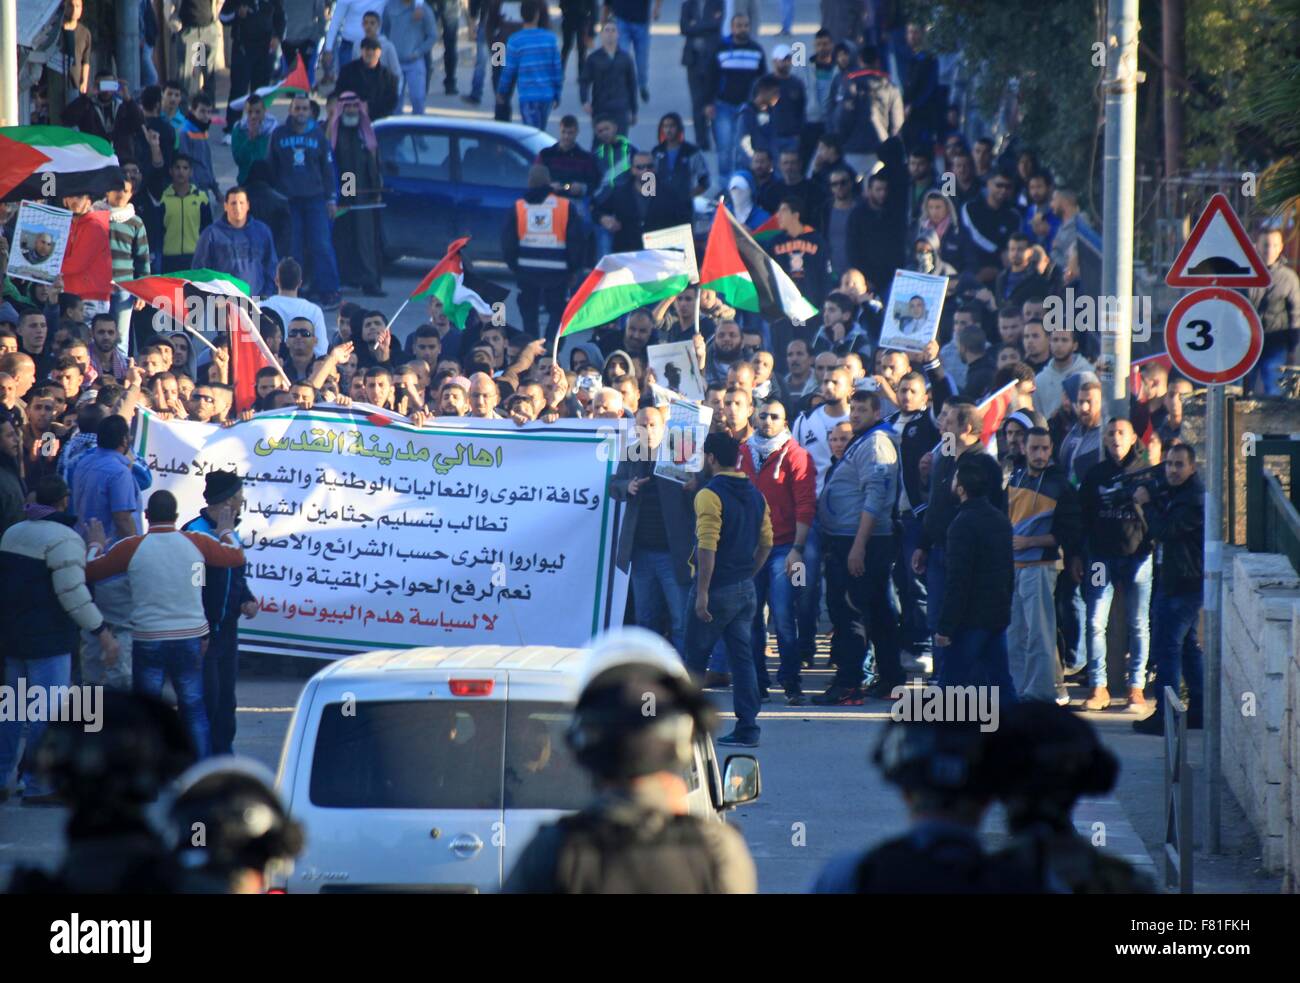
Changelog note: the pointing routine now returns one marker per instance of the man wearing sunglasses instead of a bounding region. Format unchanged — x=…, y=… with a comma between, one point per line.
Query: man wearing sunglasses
x=641, y=204
x=300, y=339
x=786, y=476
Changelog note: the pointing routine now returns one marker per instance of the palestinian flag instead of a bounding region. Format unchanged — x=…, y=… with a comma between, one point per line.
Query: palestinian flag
x=768, y=231
x=1143, y=419
x=195, y=298
x=746, y=277
x=458, y=287
x=295, y=83
x=622, y=282
x=995, y=410
x=81, y=164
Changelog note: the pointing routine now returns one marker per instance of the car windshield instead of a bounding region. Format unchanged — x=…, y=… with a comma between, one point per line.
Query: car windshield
x=445, y=755
x=537, y=142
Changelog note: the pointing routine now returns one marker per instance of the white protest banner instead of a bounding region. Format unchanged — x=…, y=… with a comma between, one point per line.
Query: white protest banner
x=677, y=367
x=675, y=237
x=912, y=312
x=40, y=240
x=363, y=531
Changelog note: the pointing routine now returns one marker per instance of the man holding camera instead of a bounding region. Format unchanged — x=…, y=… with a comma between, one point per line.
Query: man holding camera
x=1118, y=548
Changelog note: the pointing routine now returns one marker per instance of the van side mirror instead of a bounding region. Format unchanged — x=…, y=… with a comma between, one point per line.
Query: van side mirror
x=741, y=780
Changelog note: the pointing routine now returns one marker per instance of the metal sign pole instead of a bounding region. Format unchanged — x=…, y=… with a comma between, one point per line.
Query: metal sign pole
x=1215, y=468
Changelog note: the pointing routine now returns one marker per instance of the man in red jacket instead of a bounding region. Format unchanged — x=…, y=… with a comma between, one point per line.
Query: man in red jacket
x=785, y=474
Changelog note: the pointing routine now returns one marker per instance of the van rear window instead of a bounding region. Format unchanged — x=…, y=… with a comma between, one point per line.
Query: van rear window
x=541, y=772
x=418, y=754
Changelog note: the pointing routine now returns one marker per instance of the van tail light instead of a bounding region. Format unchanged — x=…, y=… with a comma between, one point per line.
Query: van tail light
x=471, y=687
x=276, y=890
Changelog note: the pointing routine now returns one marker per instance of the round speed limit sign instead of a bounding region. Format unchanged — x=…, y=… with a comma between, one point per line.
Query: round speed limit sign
x=1213, y=336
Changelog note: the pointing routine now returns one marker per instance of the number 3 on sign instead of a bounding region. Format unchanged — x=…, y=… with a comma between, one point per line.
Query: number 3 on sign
x=1213, y=336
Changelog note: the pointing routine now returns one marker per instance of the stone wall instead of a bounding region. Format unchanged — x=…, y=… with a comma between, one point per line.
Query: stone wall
x=1261, y=699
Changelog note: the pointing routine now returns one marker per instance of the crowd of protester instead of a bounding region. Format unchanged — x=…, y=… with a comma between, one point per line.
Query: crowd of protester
x=930, y=548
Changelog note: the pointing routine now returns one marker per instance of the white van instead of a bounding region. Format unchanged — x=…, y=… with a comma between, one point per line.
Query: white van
x=430, y=769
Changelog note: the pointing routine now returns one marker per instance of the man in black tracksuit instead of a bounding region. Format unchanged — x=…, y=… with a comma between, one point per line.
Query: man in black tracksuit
x=257, y=26
x=976, y=606
x=1176, y=519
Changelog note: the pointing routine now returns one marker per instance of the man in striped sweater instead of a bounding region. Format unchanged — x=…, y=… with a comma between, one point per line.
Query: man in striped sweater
x=128, y=244
x=167, y=570
x=533, y=62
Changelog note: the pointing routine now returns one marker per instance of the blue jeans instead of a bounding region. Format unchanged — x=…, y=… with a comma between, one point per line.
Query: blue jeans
x=1134, y=572
x=732, y=610
x=415, y=84
x=535, y=113
x=724, y=136
x=808, y=599
x=54, y=670
x=978, y=657
x=311, y=241
x=634, y=38
x=1262, y=380
x=181, y=661
x=480, y=61
x=772, y=587
x=787, y=16
x=654, y=587
x=148, y=74
x=1175, y=647
x=913, y=592
x=220, y=673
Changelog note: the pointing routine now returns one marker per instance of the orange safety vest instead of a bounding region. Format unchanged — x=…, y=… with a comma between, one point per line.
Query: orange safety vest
x=543, y=229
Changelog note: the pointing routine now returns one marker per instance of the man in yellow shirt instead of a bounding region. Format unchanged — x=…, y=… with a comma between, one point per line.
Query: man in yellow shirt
x=733, y=535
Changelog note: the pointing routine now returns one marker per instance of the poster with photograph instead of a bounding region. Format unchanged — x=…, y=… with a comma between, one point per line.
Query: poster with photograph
x=676, y=367
x=912, y=312
x=686, y=424
x=40, y=240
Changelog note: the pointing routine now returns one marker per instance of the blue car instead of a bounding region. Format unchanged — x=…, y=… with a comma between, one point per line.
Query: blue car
x=447, y=177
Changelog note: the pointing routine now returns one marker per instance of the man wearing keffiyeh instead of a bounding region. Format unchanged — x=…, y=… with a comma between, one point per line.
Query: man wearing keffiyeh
x=786, y=476
x=356, y=229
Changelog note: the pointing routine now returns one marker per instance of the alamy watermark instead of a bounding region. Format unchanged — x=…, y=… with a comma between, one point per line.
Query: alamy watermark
x=52, y=704
x=946, y=704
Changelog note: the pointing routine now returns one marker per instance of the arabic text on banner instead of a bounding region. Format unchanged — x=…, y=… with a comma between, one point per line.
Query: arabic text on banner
x=364, y=532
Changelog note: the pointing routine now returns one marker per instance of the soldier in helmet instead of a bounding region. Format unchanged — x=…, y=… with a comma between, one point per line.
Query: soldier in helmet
x=632, y=729
x=228, y=825
x=109, y=778
x=940, y=769
x=1046, y=759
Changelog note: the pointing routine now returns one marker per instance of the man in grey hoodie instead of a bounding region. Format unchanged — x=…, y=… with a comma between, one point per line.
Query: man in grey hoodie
x=855, y=520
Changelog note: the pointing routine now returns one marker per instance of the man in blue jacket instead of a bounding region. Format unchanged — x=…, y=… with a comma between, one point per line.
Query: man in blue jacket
x=240, y=245
x=225, y=597
x=302, y=166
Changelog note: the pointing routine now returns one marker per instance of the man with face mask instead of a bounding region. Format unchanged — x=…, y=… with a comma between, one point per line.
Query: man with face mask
x=926, y=259
x=356, y=234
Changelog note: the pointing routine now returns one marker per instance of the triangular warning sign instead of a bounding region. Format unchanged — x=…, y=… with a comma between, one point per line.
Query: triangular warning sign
x=1218, y=253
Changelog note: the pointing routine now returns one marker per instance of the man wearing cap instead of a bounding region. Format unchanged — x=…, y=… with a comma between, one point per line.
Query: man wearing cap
x=791, y=109
x=733, y=534
x=225, y=597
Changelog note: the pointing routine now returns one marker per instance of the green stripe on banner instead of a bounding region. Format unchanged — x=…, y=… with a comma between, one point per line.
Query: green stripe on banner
x=600, y=565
